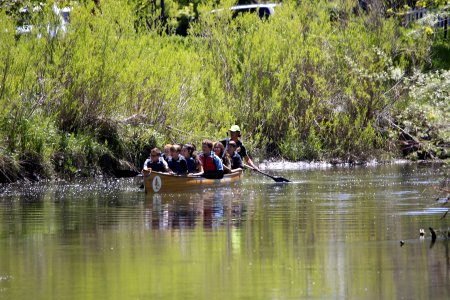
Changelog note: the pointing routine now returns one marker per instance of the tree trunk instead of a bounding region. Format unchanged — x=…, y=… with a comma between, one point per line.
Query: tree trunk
x=163, y=14
x=445, y=27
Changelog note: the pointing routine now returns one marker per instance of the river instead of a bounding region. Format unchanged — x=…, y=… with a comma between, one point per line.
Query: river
x=332, y=233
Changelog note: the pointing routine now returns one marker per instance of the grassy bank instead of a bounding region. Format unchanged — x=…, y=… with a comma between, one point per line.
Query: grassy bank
x=302, y=86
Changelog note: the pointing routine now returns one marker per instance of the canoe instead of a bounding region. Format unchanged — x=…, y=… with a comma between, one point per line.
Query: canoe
x=156, y=182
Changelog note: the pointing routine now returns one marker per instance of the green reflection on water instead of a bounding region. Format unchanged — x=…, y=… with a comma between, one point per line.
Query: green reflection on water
x=331, y=234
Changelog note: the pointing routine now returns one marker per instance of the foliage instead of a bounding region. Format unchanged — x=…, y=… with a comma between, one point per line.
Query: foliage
x=440, y=52
x=300, y=85
x=426, y=112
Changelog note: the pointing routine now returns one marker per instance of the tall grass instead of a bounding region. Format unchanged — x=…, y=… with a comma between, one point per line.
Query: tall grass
x=299, y=74
x=301, y=85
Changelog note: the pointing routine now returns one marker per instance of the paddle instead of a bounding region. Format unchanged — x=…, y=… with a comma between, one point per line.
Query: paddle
x=276, y=178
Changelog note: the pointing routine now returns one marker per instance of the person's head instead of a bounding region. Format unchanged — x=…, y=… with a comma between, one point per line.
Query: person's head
x=188, y=150
x=235, y=132
x=167, y=150
x=218, y=149
x=207, y=147
x=155, y=154
x=175, y=151
x=231, y=147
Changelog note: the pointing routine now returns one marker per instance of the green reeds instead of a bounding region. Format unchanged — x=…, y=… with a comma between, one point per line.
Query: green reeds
x=300, y=84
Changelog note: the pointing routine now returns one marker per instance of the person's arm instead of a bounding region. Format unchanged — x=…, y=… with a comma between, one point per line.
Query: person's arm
x=226, y=169
x=243, y=153
x=165, y=165
x=218, y=162
x=200, y=170
x=249, y=162
x=227, y=165
x=146, y=168
x=199, y=167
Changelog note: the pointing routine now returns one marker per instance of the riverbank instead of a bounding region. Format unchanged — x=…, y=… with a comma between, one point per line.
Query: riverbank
x=113, y=168
x=95, y=99
x=288, y=165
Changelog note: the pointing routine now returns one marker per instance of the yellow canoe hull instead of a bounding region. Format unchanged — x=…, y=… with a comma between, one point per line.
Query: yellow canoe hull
x=156, y=182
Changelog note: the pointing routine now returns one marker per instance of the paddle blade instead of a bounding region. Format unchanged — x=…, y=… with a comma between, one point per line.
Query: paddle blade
x=280, y=179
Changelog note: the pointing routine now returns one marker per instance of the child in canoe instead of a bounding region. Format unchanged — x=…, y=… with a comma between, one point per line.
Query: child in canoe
x=155, y=162
x=166, y=154
x=236, y=160
x=177, y=162
x=193, y=163
x=219, y=150
x=212, y=164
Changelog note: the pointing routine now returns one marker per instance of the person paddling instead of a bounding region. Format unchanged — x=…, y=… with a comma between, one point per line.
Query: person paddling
x=235, y=134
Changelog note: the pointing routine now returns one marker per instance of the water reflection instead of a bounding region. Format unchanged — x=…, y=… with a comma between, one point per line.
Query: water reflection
x=209, y=209
x=331, y=234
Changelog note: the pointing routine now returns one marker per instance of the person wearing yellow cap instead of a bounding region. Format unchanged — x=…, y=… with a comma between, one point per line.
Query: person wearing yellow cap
x=235, y=134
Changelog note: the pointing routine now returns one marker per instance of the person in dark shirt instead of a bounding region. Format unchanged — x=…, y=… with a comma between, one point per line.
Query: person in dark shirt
x=193, y=163
x=155, y=162
x=236, y=160
x=235, y=134
x=166, y=154
x=177, y=162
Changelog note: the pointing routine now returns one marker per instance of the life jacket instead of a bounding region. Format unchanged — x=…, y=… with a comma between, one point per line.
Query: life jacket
x=208, y=163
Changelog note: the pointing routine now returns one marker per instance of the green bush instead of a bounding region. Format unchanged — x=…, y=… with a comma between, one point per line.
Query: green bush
x=302, y=84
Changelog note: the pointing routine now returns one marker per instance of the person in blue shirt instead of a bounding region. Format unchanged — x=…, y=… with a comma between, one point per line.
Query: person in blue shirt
x=155, y=162
x=177, y=162
x=194, y=165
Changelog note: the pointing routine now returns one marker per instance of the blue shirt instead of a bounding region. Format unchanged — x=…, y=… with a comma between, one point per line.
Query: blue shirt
x=178, y=166
x=192, y=167
x=159, y=166
x=217, y=161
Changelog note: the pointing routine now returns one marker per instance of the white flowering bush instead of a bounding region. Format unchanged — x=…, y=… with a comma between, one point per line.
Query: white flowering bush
x=426, y=112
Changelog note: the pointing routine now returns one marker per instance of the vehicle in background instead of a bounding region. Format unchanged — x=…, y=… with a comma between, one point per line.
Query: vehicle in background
x=26, y=14
x=264, y=10
x=61, y=21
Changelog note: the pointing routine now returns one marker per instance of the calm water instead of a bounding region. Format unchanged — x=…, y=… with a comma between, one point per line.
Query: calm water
x=331, y=234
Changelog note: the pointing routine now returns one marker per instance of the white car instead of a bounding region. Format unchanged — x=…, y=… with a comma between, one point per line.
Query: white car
x=264, y=10
x=62, y=23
